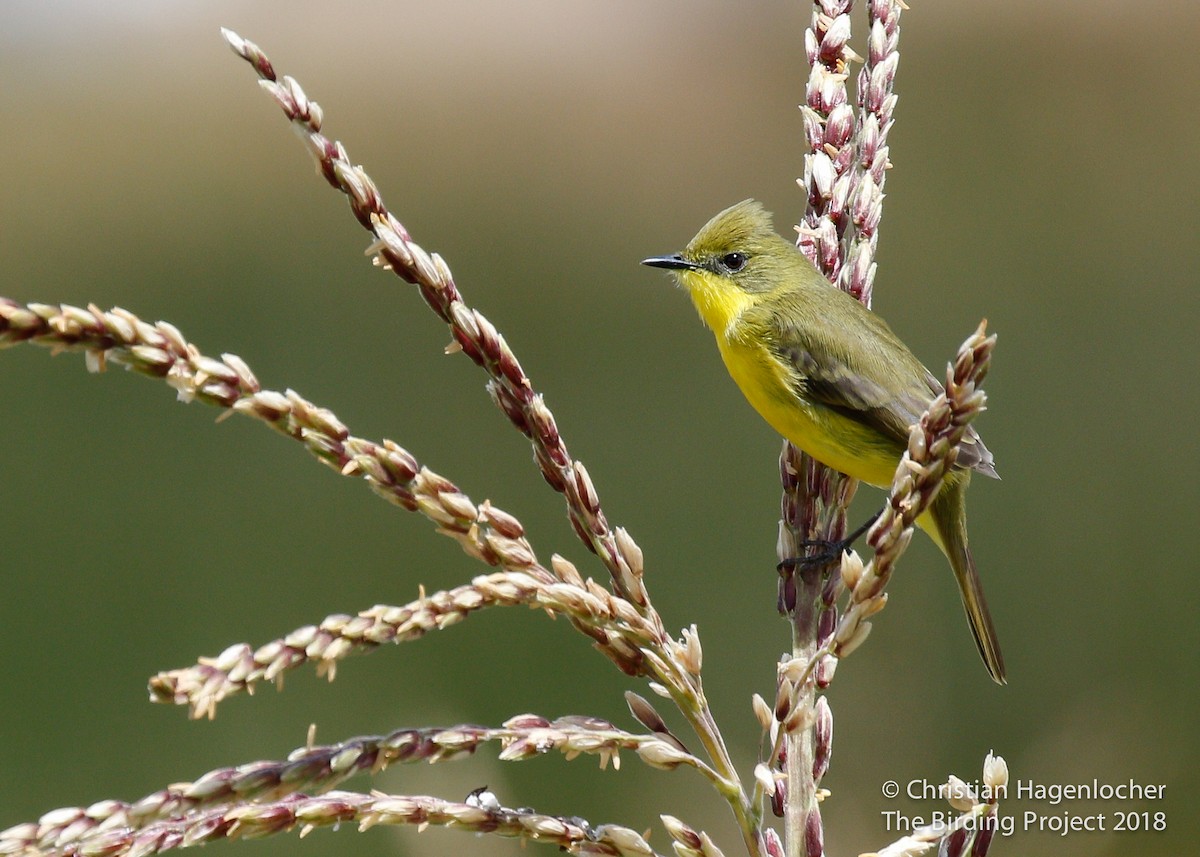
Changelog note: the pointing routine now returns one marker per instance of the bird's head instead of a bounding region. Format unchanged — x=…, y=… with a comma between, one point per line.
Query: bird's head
x=733, y=260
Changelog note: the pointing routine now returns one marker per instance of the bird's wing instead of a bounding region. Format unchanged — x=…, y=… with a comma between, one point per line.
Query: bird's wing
x=852, y=378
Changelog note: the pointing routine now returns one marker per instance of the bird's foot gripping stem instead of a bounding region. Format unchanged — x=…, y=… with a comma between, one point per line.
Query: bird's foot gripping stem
x=828, y=551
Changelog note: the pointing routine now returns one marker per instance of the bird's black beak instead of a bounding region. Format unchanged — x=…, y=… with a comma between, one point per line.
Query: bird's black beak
x=674, y=262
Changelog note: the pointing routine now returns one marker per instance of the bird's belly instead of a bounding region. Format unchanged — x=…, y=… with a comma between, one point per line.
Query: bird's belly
x=831, y=438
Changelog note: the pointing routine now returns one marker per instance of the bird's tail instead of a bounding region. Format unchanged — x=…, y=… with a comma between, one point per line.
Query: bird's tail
x=949, y=519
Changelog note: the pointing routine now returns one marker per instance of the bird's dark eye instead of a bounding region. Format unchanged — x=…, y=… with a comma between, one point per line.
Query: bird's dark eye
x=733, y=262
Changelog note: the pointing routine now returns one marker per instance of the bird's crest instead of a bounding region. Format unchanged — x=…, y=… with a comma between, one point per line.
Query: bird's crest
x=741, y=226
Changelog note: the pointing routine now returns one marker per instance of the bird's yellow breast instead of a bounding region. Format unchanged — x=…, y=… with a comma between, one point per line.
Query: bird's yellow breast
x=768, y=384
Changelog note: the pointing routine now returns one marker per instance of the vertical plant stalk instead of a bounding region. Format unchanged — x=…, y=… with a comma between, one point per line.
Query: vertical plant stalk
x=843, y=181
x=876, y=105
x=813, y=503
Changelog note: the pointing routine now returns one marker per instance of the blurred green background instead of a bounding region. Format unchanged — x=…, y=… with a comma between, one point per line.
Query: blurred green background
x=1045, y=177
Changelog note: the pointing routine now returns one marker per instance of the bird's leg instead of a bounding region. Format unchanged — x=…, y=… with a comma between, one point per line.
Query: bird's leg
x=830, y=551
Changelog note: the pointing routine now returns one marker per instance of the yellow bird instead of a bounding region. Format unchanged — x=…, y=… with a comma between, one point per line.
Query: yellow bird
x=827, y=374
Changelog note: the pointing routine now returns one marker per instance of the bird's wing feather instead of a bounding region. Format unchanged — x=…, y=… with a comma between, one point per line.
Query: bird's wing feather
x=853, y=380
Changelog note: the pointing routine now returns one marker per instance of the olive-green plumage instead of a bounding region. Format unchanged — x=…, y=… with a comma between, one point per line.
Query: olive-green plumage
x=827, y=374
